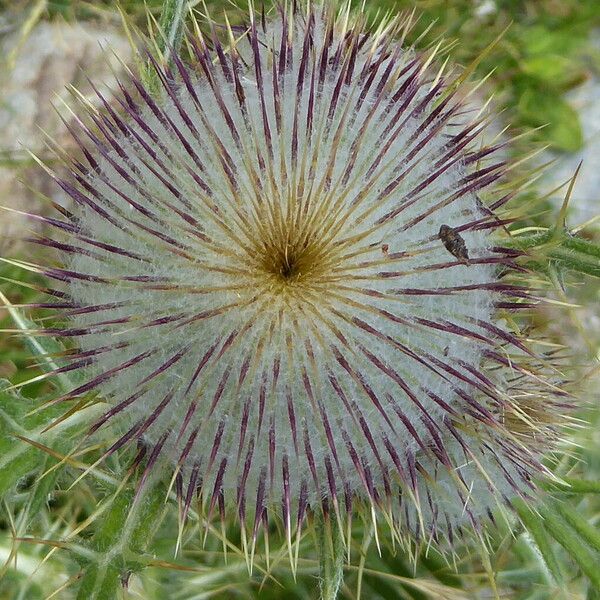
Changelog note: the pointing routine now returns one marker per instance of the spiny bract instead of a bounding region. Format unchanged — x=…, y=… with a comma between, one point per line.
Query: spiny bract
x=280, y=276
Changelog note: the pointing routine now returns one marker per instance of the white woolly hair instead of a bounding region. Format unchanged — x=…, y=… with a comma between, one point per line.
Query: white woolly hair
x=282, y=280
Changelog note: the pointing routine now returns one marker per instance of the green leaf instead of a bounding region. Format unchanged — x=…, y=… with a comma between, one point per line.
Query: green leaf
x=101, y=582
x=561, y=249
x=123, y=536
x=19, y=458
x=535, y=525
x=17, y=584
x=570, y=539
x=170, y=36
x=553, y=69
x=542, y=107
x=42, y=347
x=587, y=532
x=572, y=485
x=540, y=40
x=439, y=569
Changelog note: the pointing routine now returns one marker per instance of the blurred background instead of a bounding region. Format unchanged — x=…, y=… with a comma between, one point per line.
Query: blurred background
x=541, y=74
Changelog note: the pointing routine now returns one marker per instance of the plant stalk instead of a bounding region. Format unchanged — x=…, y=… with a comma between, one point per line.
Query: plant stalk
x=171, y=23
x=560, y=248
x=331, y=557
x=168, y=41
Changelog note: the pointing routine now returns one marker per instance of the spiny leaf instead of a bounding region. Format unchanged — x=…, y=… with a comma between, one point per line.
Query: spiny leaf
x=21, y=430
x=535, y=526
x=587, y=532
x=570, y=539
x=572, y=485
x=42, y=347
x=125, y=532
x=101, y=582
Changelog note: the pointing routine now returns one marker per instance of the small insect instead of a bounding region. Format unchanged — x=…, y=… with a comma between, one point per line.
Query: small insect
x=454, y=243
x=385, y=249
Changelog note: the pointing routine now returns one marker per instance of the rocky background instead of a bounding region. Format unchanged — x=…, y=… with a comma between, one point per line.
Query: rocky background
x=35, y=75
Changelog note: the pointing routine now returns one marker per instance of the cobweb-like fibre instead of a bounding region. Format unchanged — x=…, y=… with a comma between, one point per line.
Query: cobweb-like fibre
x=281, y=278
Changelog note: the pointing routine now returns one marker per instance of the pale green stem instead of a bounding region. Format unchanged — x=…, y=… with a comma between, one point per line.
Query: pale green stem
x=171, y=26
x=170, y=35
x=570, y=539
x=572, y=486
x=560, y=248
x=331, y=557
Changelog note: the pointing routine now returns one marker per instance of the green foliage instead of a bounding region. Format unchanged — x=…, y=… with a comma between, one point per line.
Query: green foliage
x=116, y=549
x=538, y=108
x=559, y=249
x=557, y=551
x=543, y=54
x=331, y=559
x=562, y=530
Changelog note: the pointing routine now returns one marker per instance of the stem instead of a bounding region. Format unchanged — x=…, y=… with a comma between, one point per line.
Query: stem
x=572, y=486
x=171, y=22
x=170, y=35
x=331, y=558
x=560, y=247
x=570, y=539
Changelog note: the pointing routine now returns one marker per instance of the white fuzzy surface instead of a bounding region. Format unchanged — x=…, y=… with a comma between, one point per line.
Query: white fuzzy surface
x=293, y=333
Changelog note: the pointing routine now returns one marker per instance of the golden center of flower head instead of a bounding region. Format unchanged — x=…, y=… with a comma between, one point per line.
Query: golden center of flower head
x=291, y=260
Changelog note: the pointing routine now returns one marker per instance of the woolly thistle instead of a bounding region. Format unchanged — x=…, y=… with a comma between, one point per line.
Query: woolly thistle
x=279, y=274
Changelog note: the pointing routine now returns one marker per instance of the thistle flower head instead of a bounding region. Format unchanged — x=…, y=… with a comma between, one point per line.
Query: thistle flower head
x=280, y=276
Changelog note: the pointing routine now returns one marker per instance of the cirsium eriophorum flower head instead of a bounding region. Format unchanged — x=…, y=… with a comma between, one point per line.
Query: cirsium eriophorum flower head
x=281, y=278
